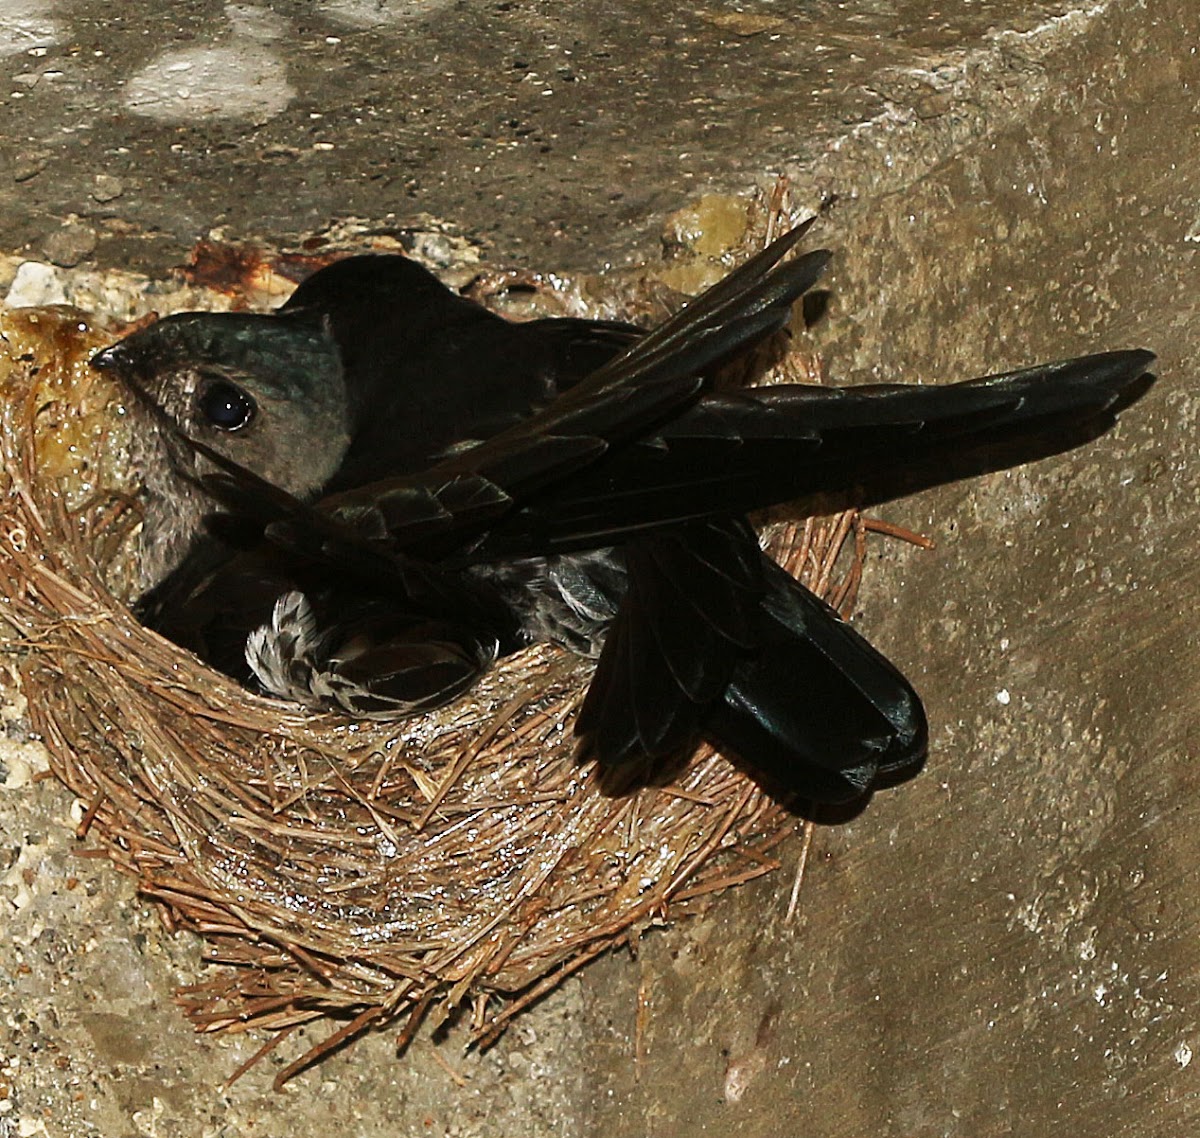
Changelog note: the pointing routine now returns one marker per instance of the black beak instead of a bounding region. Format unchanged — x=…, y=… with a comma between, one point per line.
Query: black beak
x=115, y=359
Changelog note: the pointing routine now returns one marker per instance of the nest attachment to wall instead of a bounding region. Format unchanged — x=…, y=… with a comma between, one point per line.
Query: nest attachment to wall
x=368, y=873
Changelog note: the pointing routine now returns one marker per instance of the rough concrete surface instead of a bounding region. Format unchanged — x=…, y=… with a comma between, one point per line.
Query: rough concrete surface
x=1007, y=944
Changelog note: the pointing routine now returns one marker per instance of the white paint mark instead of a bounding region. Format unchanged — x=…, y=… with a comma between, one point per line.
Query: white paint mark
x=26, y=25
x=242, y=77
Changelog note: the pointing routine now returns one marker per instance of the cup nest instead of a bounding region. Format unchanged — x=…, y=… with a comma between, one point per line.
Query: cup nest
x=463, y=862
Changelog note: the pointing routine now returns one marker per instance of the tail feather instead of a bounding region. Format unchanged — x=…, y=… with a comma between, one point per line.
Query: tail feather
x=689, y=612
x=817, y=709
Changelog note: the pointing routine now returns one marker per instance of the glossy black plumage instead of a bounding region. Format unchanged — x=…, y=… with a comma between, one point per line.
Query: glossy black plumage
x=604, y=508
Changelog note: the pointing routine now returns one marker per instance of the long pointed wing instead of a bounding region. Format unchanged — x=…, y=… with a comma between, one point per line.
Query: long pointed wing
x=658, y=375
x=757, y=448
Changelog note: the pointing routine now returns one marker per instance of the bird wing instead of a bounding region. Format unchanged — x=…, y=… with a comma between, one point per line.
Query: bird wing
x=654, y=378
x=733, y=453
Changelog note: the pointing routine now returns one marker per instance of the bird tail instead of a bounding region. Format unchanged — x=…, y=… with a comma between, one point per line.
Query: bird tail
x=817, y=709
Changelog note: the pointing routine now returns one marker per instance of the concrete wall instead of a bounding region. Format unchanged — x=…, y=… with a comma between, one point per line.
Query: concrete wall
x=1006, y=944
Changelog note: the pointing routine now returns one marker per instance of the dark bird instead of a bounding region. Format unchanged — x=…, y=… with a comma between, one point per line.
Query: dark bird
x=369, y=495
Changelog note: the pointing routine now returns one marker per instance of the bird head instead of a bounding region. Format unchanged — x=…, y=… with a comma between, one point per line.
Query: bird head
x=267, y=393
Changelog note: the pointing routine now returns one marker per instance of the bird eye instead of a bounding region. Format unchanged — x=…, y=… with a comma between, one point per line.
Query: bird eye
x=225, y=405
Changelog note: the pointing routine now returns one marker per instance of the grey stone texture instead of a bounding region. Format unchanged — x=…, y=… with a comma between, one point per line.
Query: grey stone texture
x=1008, y=944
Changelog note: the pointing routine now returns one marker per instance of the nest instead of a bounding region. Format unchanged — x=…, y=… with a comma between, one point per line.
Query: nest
x=464, y=862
